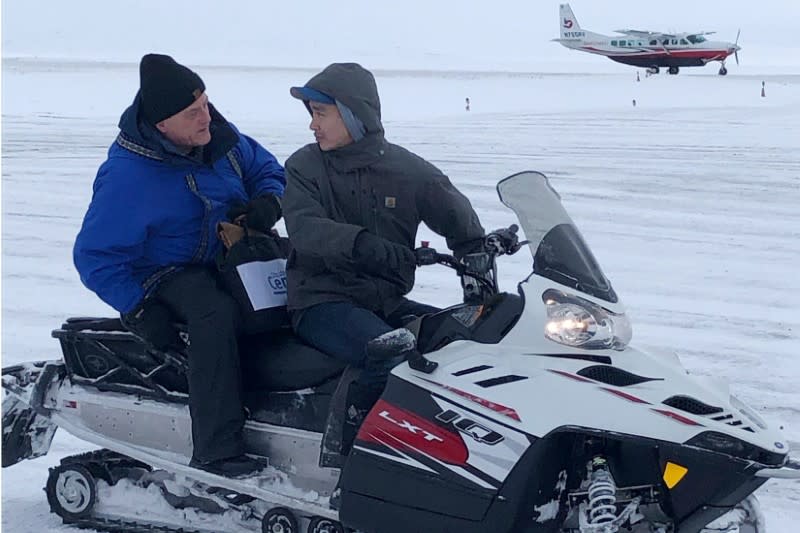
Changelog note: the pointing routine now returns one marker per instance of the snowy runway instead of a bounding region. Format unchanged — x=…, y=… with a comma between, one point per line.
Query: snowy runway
x=690, y=202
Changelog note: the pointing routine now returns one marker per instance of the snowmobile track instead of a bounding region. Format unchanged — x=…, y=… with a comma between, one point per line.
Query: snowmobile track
x=241, y=486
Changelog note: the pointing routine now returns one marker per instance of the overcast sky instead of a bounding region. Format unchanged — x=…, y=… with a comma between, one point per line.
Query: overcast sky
x=487, y=34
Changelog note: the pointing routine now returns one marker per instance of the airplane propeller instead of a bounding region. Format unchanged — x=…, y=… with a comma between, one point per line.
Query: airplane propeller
x=736, y=46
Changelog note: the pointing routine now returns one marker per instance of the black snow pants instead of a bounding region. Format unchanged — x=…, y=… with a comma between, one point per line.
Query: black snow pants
x=215, y=381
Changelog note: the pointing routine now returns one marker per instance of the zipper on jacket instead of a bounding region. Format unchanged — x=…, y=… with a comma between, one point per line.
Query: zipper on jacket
x=375, y=211
x=360, y=201
x=200, y=253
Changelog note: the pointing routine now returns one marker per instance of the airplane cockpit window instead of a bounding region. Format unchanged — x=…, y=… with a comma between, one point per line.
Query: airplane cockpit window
x=674, y=41
x=683, y=41
x=665, y=42
x=695, y=39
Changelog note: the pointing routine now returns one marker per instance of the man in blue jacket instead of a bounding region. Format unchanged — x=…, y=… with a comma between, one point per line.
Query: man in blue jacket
x=149, y=239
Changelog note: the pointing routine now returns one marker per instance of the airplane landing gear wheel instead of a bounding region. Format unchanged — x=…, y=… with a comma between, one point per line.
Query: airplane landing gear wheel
x=673, y=70
x=723, y=71
x=653, y=70
x=71, y=491
x=279, y=520
x=324, y=525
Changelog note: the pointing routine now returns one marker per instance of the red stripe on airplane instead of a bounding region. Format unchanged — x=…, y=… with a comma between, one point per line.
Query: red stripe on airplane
x=694, y=54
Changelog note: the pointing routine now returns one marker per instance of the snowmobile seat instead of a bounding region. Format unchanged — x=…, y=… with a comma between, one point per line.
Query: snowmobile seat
x=93, y=324
x=99, y=352
x=280, y=361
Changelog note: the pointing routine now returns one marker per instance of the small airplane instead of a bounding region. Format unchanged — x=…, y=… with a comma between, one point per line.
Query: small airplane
x=648, y=49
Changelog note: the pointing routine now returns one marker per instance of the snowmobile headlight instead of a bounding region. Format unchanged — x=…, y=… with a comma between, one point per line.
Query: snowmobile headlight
x=574, y=321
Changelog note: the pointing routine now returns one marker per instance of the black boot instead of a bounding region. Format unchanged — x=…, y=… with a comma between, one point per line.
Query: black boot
x=360, y=400
x=241, y=465
x=392, y=348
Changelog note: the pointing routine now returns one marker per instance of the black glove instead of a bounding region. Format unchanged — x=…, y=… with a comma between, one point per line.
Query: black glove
x=152, y=321
x=236, y=210
x=375, y=255
x=426, y=256
x=263, y=212
x=503, y=241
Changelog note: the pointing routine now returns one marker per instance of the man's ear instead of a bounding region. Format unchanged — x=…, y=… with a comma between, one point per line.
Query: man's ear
x=161, y=127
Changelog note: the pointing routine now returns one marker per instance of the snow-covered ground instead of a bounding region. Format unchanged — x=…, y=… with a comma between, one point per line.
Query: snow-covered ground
x=690, y=201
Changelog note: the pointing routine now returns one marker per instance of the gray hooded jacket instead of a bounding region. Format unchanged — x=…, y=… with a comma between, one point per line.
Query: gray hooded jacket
x=370, y=185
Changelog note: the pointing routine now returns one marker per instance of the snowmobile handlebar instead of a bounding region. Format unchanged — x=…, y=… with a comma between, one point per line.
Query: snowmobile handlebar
x=503, y=241
x=478, y=271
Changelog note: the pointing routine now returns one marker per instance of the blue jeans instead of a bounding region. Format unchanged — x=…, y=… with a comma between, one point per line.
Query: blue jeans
x=343, y=329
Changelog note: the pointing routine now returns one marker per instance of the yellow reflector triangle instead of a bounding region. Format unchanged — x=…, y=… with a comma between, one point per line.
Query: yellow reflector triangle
x=673, y=474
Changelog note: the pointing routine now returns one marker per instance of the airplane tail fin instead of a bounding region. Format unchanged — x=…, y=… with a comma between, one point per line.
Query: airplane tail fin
x=567, y=21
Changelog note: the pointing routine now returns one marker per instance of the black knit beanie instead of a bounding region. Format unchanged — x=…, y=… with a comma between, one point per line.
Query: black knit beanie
x=166, y=87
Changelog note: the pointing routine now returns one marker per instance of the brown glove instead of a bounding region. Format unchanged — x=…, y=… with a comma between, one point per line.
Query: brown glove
x=229, y=233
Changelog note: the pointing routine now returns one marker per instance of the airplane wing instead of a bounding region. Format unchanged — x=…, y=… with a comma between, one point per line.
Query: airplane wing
x=637, y=33
x=645, y=34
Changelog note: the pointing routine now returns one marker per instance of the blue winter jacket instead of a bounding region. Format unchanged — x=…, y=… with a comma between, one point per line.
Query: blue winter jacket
x=154, y=210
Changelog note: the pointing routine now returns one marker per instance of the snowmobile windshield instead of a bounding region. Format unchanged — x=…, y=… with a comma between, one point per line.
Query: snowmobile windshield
x=558, y=249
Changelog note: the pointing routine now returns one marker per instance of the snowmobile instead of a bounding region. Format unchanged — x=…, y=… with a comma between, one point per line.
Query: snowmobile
x=527, y=411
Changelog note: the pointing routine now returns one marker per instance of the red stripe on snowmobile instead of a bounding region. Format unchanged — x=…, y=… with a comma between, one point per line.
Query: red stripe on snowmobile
x=496, y=407
x=629, y=397
x=676, y=416
x=391, y=426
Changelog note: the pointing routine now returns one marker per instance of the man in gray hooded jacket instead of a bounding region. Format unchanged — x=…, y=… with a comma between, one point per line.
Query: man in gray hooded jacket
x=353, y=204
